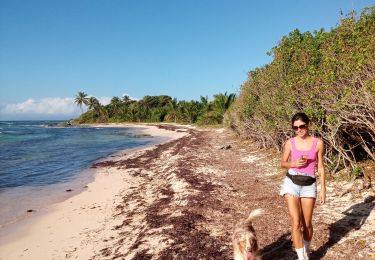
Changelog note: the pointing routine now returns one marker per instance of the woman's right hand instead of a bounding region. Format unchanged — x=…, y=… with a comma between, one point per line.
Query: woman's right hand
x=300, y=163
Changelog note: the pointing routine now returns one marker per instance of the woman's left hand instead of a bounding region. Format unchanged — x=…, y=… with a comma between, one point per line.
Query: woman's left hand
x=322, y=196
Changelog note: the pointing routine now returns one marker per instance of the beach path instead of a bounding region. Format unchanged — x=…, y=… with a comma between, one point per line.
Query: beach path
x=181, y=200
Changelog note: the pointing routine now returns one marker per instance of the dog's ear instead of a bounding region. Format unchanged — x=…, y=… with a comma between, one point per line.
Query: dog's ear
x=254, y=246
x=250, y=227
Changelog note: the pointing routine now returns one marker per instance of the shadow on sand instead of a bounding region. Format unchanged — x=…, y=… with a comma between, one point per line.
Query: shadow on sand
x=282, y=248
x=355, y=217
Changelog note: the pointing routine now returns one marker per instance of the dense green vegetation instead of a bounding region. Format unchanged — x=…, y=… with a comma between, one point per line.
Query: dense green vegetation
x=329, y=76
x=155, y=109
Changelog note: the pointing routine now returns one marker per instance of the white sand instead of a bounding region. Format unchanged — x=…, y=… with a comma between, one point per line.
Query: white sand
x=78, y=226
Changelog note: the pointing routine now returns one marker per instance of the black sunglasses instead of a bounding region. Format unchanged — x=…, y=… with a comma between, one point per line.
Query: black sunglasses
x=295, y=128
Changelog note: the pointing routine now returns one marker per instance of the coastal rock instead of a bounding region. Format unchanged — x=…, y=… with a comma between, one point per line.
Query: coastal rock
x=226, y=147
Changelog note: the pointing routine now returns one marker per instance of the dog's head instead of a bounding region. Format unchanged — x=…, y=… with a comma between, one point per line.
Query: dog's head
x=245, y=243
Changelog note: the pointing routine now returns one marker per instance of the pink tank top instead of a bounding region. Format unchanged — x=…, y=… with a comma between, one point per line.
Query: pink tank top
x=309, y=168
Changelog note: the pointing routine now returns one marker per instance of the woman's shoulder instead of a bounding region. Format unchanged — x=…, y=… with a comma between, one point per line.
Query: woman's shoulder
x=287, y=146
x=318, y=139
x=319, y=142
x=289, y=142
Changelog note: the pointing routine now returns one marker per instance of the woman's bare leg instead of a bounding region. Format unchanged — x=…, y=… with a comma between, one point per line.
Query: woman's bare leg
x=294, y=207
x=307, y=205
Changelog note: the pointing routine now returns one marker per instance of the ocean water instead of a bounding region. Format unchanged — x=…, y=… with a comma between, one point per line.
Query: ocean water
x=38, y=162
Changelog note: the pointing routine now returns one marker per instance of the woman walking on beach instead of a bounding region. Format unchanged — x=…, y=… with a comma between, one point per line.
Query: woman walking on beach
x=302, y=154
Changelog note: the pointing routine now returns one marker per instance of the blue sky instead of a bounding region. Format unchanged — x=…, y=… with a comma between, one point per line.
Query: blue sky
x=50, y=50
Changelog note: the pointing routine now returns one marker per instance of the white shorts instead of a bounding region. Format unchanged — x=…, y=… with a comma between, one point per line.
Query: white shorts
x=288, y=187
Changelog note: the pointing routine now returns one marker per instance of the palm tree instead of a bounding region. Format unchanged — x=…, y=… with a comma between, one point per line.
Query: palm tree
x=81, y=99
x=172, y=110
x=126, y=99
x=192, y=110
x=133, y=111
x=115, y=105
x=93, y=104
x=222, y=102
x=188, y=111
x=205, y=105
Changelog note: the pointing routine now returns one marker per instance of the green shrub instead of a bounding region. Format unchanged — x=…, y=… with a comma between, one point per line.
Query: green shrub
x=329, y=76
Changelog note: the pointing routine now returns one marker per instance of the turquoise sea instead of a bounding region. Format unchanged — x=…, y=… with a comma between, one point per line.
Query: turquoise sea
x=39, y=161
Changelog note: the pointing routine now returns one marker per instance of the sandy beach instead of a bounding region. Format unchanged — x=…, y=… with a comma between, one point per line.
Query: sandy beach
x=68, y=224
x=181, y=199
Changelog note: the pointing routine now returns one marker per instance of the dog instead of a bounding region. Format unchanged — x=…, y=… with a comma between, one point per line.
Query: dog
x=244, y=239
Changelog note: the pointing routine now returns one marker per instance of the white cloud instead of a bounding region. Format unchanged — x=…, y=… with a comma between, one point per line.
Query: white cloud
x=104, y=100
x=45, y=108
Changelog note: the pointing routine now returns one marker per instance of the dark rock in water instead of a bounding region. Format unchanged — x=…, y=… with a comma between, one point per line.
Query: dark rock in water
x=86, y=187
x=141, y=135
x=53, y=124
x=68, y=190
x=69, y=123
x=30, y=210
